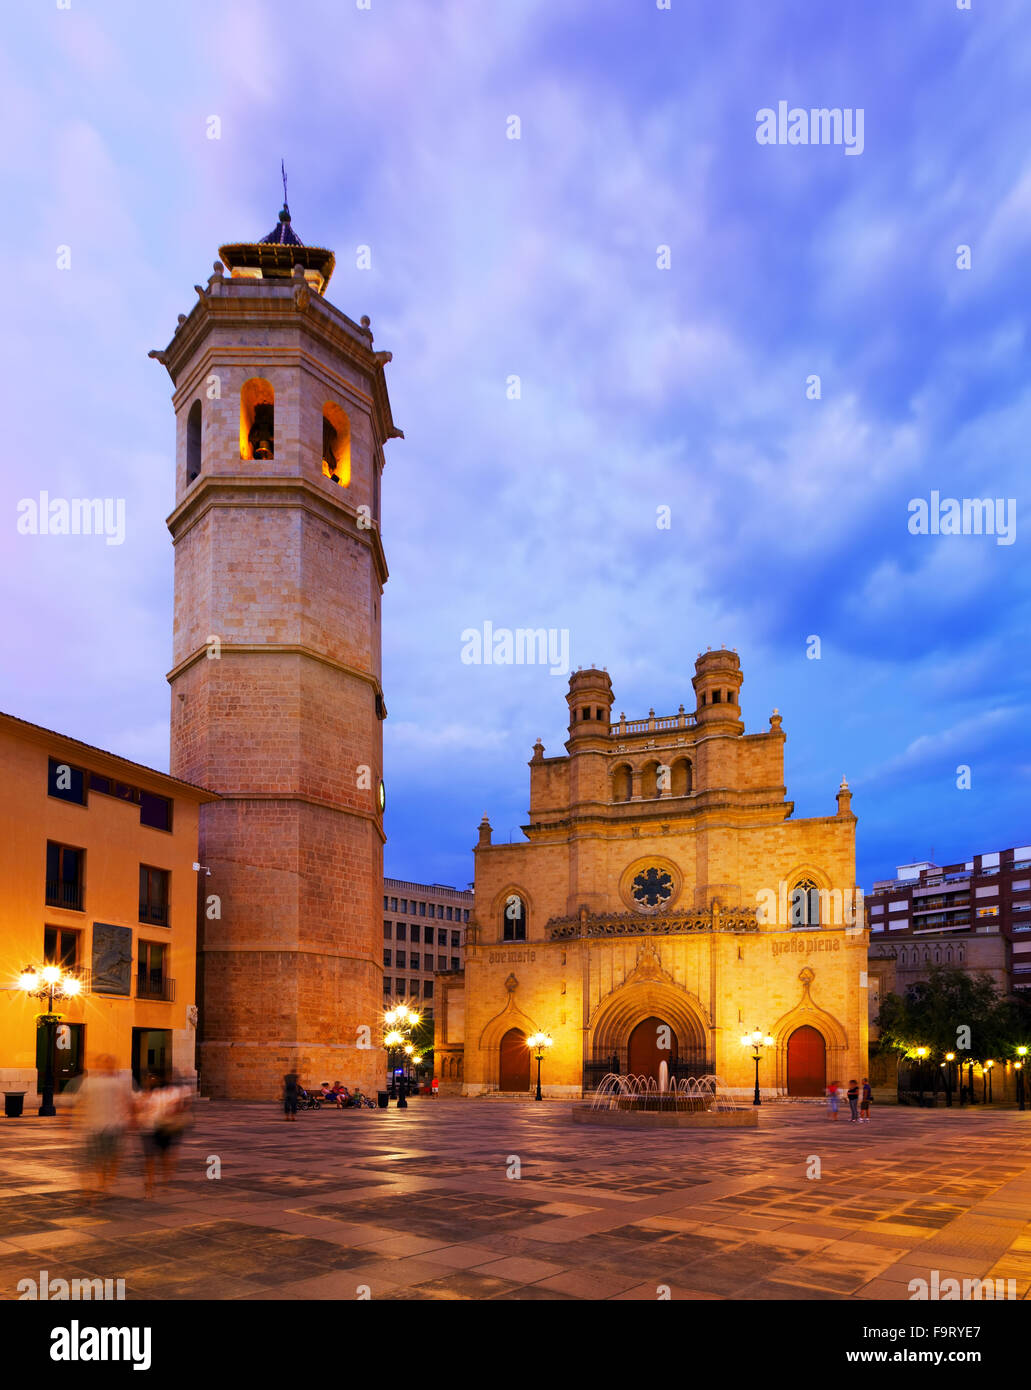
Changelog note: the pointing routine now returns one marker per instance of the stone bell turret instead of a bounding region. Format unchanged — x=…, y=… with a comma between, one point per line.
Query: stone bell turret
x=717, y=681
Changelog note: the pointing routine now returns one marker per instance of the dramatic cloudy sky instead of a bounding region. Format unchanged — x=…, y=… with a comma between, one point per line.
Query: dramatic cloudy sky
x=641, y=387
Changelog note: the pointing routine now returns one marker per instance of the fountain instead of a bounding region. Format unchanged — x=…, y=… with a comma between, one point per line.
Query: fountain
x=701, y=1102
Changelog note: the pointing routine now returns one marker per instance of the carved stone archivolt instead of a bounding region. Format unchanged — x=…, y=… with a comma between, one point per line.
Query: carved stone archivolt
x=671, y=923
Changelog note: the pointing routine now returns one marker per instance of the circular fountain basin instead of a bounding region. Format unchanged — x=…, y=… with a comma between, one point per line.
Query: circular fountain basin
x=640, y=1102
x=632, y=1118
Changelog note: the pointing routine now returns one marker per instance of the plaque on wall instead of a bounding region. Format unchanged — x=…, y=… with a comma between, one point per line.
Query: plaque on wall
x=112, y=959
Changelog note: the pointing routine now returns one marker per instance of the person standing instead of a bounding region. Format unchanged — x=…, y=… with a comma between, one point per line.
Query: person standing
x=853, y=1101
x=832, y=1100
x=864, y=1103
x=290, y=1088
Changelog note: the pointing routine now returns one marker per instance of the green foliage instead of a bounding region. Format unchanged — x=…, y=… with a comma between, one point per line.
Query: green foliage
x=934, y=1012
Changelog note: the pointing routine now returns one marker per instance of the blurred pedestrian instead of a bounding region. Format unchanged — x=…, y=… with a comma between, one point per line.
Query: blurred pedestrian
x=161, y=1119
x=103, y=1110
x=832, y=1099
x=853, y=1101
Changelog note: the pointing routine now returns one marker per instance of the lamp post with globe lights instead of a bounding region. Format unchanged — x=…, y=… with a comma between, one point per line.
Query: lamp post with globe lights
x=539, y=1043
x=49, y=982
x=757, y=1040
x=398, y=1022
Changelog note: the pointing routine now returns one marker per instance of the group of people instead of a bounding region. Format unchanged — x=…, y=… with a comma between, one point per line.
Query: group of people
x=859, y=1100
x=294, y=1095
x=106, y=1107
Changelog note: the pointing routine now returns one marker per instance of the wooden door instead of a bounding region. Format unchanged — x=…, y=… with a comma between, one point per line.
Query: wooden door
x=807, y=1063
x=644, y=1050
x=515, y=1062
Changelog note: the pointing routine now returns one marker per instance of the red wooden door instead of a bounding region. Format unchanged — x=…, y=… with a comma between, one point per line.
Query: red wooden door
x=644, y=1050
x=807, y=1063
x=515, y=1062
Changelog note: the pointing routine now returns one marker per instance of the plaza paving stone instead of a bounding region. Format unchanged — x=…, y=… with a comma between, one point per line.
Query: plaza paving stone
x=419, y=1204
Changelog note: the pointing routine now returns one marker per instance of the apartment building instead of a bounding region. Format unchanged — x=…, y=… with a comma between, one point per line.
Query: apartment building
x=97, y=863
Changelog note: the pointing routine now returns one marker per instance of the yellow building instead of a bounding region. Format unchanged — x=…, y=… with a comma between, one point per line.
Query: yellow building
x=664, y=902
x=97, y=863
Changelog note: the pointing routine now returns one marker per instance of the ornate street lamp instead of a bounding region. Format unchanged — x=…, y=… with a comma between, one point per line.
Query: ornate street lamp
x=49, y=982
x=392, y=1040
x=539, y=1043
x=399, y=1022
x=757, y=1040
x=950, y=1057
x=986, y=1079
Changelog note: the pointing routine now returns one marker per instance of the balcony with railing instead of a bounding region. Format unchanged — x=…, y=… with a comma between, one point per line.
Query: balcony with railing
x=66, y=895
x=662, y=723
x=159, y=988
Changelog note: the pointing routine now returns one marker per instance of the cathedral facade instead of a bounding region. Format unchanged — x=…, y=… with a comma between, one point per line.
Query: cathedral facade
x=664, y=903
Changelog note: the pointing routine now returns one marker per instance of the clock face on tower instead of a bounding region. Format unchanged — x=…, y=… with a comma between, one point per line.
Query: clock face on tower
x=382, y=795
x=652, y=888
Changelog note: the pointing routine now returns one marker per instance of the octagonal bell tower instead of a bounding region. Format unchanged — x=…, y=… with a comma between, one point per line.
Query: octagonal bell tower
x=281, y=417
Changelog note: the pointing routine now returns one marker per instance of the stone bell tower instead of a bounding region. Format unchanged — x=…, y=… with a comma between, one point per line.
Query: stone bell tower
x=281, y=417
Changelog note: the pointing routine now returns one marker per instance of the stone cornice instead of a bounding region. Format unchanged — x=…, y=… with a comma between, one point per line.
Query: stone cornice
x=276, y=648
x=268, y=490
x=306, y=800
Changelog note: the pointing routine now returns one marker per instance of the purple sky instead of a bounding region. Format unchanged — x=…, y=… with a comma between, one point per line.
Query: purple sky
x=641, y=387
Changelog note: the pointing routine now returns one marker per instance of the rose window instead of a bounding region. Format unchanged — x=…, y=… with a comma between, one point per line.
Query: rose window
x=652, y=888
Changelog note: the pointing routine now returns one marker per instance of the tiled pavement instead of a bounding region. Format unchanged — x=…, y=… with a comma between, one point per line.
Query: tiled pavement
x=420, y=1204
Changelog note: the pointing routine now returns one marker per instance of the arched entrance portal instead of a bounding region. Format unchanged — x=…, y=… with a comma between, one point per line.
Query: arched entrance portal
x=515, y=1062
x=651, y=1042
x=807, y=1063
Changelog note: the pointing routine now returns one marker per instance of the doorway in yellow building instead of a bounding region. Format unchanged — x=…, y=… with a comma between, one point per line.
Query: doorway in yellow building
x=807, y=1063
x=652, y=1041
x=151, y=1054
x=69, y=1050
x=515, y=1062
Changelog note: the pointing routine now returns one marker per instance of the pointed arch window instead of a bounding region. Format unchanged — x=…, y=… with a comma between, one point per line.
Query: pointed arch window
x=513, y=918
x=804, y=905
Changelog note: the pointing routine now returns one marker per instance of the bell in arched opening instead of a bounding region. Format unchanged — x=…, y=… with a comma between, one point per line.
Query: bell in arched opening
x=262, y=431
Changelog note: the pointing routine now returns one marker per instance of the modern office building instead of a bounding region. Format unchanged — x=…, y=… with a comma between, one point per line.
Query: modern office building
x=423, y=935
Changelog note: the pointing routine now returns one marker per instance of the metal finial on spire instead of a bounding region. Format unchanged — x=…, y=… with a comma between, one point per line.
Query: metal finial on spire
x=282, y=165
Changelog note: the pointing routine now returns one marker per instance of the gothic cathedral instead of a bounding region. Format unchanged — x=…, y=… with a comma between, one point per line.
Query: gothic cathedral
x=665, y=903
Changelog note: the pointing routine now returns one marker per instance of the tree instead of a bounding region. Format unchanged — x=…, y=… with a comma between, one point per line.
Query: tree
x=951, y=1011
